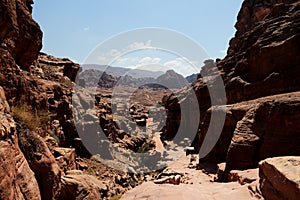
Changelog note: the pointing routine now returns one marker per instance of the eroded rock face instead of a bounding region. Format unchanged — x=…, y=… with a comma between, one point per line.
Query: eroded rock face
x=279, y=178
x=263, y=56
x=76, y=185
x=20, y=35
x=17, y=179
x=262, y=60
x=42, y=162
x=253, y=128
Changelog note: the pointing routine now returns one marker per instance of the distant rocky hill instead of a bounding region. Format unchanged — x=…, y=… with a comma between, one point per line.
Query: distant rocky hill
x=170, y=79
x=191, y=78
x=121, y=71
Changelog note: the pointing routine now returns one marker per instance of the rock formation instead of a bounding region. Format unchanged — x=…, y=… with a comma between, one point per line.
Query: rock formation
x=106, y=79
x=172, y=80
x=36, y=121
x=20, y=35
x=260, y=77
x=279, y=178
x=17, y=179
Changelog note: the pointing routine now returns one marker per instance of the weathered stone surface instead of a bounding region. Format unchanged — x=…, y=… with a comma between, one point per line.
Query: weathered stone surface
x=172, y=179
x=76, y=185
x=243, y=176
x=4, y=107
x=63, y=66
x=262, y=60
x=42, y=162
x=194, y=184
x=65, y=158
x=270, y=124
x=279, y=178
x=263, y=56
x=19, y=34
x=253, y=128
x=17, y=179
x=171, y=80
x=250, y=178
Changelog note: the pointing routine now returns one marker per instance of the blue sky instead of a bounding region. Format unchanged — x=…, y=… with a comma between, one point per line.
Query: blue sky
x=73, y=28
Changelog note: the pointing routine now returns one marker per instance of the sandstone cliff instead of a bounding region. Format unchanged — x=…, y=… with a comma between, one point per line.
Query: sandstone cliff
x=39, y=146
x=261, y=83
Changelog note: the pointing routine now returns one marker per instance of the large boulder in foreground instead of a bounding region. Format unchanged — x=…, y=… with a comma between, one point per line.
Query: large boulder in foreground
x=280, y=178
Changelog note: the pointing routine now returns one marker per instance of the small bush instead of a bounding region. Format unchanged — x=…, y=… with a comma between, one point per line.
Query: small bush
x=116, y=197
x=24, y=115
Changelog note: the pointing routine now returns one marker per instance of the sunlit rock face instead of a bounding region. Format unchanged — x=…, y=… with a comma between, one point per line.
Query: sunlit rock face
x=259, y=70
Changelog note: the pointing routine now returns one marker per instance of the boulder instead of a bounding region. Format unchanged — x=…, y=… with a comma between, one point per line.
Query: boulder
x=42, y=162
x=65, y=158
x=279, y=178
x=77, y=186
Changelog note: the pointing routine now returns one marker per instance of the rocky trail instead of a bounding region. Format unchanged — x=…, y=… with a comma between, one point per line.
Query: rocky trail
x=184, y=179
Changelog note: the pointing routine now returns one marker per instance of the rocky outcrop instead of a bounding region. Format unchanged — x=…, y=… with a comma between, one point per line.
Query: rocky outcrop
x=77, y=186
x=17, y=179
x=253, y=128
x=191, y=78
x=107, y=81
x=104, y=79
x=279, y=178
x=42, y=162
x=263, y=56
x=63, y=67
x=259, y=71
x=21, y=41
x=172, y=80
x=20, y=35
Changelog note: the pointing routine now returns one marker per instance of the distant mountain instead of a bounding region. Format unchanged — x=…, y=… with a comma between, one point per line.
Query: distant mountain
x=121, y=71
x=171, y=79
x=191, y=78
x=95, y=77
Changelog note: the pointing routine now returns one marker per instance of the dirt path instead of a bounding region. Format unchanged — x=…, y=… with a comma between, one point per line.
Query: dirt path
x=194, y=184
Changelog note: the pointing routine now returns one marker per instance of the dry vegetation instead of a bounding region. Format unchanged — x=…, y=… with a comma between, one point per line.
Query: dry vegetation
x=31, y=119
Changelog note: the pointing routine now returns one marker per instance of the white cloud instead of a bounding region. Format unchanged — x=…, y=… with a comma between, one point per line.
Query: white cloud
x=124, y=61
x=87, y=28
x=101, y=58
x=140, y=45
x=149, y=60
x=223, y=51
x=114, y=53
x=182, y=66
